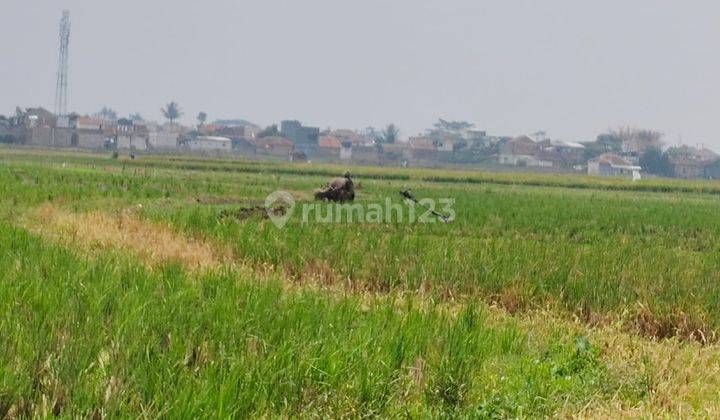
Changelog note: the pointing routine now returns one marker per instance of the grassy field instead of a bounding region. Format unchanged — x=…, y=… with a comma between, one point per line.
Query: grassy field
x=141, y=288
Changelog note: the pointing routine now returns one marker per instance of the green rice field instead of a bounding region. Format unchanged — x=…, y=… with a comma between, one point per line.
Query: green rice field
x=158, y=287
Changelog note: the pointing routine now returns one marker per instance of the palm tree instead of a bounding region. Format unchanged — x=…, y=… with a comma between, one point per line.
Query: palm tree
x=172, y=111
x=201, y=118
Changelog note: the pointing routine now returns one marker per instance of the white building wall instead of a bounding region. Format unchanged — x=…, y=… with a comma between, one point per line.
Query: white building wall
x=209, y=145
x=131, y=142
x=163, y=139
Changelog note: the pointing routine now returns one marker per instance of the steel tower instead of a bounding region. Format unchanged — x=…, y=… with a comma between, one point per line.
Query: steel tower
x=62, y=73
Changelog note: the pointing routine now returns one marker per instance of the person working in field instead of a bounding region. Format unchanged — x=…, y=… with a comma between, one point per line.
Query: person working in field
x=339, y=189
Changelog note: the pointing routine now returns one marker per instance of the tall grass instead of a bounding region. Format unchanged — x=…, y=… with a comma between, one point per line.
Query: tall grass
x=650, y=257
x=106, y=337
x=101, y=334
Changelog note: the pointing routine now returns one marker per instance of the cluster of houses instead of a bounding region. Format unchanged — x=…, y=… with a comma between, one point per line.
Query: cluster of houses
x=690, y=162
x=444, y=145
x=39, y=127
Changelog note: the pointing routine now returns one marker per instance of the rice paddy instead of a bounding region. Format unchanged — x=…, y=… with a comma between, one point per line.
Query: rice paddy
x=141, y=288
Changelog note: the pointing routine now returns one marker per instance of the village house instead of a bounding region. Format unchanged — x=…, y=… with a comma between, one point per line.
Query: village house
x=422, y=150
x=93, y=133
x=712, y=169
x=609, y=164
x=329, y=148
x=478, y=139
x=61, y=137
x=562, y=153
x=686, y=167
x=163, y=137
x=450, y=145
x=365, y=154
x=521, y=151
x=231, y=132
x=91, y=123
x=244, y=146
x=395, y=154
x=91, y=139
x=448, y=142
x=209, y=144
x=39, y=127
x=131, y=142
x=274, y=146
x=690, y=162
x=240, y=144
x=356, y=147
x=235, y=132
x=249, y=129
x=164, y=140
x=36, y=127
x=207, y=129
x=345, y=151
x=35, y=117
x=37, y=136
x=706, y=154
x=351, y=136
x=130, y=136
x=305, y=139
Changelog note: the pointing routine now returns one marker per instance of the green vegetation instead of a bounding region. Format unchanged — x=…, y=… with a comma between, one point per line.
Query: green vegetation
x=109, y=336
x=171, y=111
x=389, y=319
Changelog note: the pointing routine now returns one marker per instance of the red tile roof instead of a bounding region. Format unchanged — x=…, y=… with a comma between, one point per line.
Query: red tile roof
x=330, y=142
x=610, y=159
x=207, y=129
x=91, y=121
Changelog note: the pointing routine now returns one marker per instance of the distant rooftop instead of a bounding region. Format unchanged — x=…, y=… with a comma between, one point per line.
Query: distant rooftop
x=330, y=142
x=235, y=123
x=213, y=138
x=563, y=143
x=272, y=141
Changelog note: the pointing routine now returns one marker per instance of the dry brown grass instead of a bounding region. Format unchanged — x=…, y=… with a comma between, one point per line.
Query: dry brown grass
x=675, y=325
x=683, y=377
x=154, y=244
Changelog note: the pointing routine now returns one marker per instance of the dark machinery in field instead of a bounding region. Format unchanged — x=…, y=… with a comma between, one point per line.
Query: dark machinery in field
x=338, y=190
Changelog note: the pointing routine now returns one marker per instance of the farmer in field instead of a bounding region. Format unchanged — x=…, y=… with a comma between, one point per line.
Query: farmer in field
x=339, y=189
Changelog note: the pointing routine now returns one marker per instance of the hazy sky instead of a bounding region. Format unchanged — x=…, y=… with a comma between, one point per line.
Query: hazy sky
x=571, y=68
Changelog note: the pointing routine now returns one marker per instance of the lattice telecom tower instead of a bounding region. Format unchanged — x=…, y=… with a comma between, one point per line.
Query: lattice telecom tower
x=62, y=73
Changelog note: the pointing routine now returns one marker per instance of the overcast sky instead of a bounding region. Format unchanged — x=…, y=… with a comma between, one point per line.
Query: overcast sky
x=571, y=68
